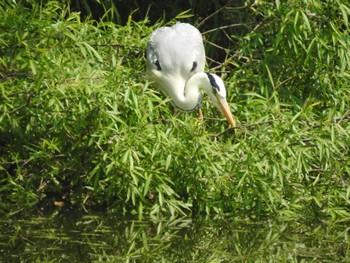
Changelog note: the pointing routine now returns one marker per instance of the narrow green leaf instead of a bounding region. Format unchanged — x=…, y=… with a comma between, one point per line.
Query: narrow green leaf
x=270, y=76
x=296, y=21
x=306, y=20
x=184, y=14
x=296, y=116
x=168, y=162
x=32, y=67
x=93, y=51
x=345, y=12
x=147, y=184
x=278, y=4
x=125, y=156
x=309, y=51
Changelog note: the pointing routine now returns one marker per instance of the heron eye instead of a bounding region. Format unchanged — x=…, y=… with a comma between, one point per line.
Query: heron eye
x=194, y=66
x=157, y=65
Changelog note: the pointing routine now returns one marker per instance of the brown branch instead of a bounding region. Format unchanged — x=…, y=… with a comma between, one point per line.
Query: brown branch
x=219, y=10
x=29, y=97
x=224, y=27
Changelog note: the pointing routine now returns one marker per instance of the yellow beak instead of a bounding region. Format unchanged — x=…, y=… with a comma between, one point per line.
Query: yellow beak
x=225, y=109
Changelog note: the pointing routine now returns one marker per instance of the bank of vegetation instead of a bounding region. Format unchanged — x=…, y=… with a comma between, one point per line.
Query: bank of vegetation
x=81, y=126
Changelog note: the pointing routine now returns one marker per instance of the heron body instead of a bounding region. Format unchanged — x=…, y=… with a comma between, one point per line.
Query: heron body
x=175, y=62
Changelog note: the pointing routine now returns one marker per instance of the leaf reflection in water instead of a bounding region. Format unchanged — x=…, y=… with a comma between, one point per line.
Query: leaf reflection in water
x=70, y=236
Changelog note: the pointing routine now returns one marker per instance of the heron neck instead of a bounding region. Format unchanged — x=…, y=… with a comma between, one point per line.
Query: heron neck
x=191, y=98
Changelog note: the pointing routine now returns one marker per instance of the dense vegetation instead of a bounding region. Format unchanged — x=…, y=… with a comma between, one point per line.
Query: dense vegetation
x=82, y=126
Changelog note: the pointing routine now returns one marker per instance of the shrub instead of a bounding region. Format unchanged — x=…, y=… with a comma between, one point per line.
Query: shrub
x=80, y=124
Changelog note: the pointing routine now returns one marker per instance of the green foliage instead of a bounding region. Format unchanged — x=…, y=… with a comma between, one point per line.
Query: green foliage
x=80, y=124
x=295, y=64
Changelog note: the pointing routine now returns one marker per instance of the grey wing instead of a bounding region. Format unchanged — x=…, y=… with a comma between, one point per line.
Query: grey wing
x=176, y=50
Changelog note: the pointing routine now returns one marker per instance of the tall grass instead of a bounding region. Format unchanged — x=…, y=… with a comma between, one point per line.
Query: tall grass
x=81, y=125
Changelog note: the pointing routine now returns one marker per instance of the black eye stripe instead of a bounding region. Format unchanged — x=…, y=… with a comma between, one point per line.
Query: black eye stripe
x=158, y=65
x=194, y=66
x=213, y=82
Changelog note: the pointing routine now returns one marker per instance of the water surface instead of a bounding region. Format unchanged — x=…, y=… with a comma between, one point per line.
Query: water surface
x=70, y=235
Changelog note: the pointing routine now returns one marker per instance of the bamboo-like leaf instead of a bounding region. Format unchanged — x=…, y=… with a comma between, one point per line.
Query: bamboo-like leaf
x=296, y=21
x=168, y=162
x=345, y=10
x=306, y=20
x=309, y=51
x=270, y=76
x=147, y=184
x=125, y=156
x=278, y=4
x=93, y=51
x=296, y=116
x=131, y=163
x=184, y=14
x=32, y=67
x=160, y=198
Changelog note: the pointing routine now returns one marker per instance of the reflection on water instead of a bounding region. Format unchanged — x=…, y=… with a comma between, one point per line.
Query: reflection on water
x=69, y=236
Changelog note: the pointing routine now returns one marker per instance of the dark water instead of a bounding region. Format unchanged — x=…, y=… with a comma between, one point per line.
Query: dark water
x=66, y=235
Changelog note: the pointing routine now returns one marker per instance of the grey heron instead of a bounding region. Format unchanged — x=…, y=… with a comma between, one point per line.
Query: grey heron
x=175, y=62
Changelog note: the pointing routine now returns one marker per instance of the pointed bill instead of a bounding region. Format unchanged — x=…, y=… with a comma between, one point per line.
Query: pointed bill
x=227, y=112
